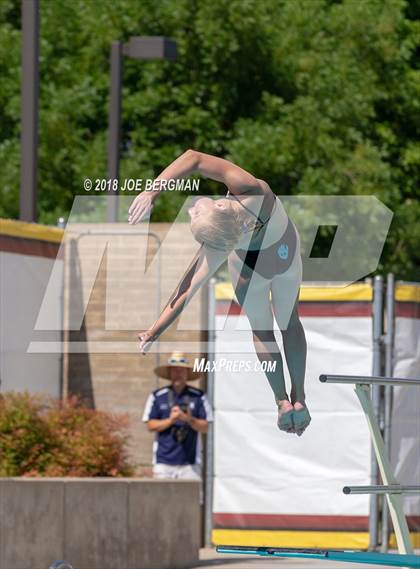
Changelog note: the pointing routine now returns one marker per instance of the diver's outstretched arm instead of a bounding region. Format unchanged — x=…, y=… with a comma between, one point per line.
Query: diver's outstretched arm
x=238, y=181
x=204, y=265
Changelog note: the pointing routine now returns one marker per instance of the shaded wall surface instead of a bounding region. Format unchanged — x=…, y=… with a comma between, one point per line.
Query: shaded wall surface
x=98, y=523
x=29, y=260
x=116, y=286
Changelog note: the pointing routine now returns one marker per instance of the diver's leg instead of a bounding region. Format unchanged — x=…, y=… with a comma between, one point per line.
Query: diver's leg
x=254, y=297
x=284, y=295
x=285, y=298
x=253, y=294
x=295, y=349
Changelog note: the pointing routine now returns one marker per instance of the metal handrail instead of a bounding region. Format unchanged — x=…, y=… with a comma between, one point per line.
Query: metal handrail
x=390, y=489
x=368, y=380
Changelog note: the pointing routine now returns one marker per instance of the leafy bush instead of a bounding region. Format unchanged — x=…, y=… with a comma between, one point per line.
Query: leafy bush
x=47, y=437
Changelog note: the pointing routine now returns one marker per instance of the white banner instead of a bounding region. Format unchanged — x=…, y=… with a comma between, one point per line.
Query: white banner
x=405, y=431
x=261, y=470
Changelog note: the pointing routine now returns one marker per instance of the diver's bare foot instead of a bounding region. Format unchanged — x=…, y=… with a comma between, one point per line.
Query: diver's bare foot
x=301, y=417
x=285, y=418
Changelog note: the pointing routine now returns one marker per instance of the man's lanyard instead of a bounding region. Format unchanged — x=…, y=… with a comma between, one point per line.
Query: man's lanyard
x=171, y=399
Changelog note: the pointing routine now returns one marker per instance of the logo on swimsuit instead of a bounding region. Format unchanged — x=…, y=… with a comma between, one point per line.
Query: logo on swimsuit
x=283, y=251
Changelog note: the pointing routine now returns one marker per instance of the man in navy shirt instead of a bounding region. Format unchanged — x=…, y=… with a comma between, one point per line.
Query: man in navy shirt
x=178, y=414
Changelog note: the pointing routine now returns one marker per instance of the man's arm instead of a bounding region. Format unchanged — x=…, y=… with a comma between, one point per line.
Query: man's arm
x=159, y=425
x=199, y=425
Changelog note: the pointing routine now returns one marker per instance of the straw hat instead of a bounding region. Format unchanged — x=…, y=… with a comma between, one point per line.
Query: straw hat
x=177, y=359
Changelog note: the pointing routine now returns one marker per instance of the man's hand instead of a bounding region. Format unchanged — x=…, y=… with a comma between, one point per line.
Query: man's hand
x=186, y=417
x=199, y=425
x=175, y=414
x=181, y=415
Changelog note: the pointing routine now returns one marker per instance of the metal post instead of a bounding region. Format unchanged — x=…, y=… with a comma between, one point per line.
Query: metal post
x=395, y=502
x=29, y=109
x=114, y=129
x=394, y=499
x=208, y=523
x=376, y=400
x=388, y=393
x=61, y=223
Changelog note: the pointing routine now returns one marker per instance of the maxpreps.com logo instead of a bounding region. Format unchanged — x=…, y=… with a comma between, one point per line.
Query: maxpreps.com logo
x=232, y=365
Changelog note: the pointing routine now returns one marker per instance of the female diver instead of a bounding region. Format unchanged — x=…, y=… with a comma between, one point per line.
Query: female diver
x=250, y=228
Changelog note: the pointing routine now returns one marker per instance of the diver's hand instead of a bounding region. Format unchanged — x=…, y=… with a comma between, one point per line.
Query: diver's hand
x=146, y=341
x=141, y=207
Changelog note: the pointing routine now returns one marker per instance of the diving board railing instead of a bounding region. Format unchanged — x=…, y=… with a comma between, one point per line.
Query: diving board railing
x=394, y=489
x=391, y=488
x=362, y=380
x=365, y=557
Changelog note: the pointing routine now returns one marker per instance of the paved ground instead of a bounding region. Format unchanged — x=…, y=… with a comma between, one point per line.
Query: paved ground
x=209, y=559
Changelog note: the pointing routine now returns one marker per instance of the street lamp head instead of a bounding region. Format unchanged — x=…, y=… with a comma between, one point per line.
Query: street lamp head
x=150, y=47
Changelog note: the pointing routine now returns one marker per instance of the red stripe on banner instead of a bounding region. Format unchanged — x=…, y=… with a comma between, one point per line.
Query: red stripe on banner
x=308, y=309
x=229, y=307
x=413, y=522
x=407, y=309
x=335, y=308
x=275, y=521
x=34, y=247
x=290, y=522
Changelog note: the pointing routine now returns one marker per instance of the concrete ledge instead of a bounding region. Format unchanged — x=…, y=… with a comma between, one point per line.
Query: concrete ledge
x=99, y=523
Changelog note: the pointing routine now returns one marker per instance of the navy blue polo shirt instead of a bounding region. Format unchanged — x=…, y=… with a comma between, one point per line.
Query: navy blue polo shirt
x=167, y=449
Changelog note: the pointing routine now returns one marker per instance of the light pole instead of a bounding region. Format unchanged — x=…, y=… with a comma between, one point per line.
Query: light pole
x=29, y=110
x=142, y=47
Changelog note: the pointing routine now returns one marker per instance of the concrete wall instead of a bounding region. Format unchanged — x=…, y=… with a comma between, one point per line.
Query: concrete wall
x=23, y=281
x=104, y=275
x=98, y=523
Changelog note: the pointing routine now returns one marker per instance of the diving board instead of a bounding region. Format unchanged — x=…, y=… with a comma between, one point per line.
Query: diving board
x=389, y=559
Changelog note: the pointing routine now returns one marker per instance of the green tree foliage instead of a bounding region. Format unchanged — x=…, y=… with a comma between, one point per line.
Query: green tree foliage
x=52, y=438
x=318, y=97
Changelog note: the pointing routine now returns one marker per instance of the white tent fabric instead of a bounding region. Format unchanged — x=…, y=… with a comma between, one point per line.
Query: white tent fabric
x=405, y=431
x=260, y=470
